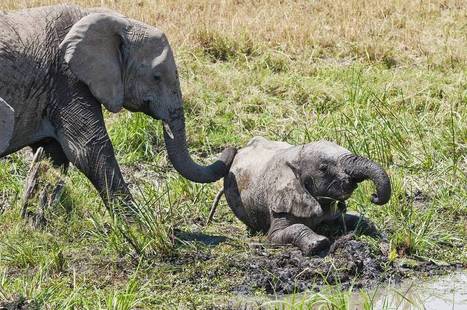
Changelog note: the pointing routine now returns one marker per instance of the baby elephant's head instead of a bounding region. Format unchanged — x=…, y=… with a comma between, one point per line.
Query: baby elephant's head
x=329, y=172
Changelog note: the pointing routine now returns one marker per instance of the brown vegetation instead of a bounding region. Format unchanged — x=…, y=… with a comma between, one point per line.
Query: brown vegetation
x=395, y=32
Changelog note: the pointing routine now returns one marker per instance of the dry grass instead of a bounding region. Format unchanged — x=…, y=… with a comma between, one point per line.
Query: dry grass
x=396, y=32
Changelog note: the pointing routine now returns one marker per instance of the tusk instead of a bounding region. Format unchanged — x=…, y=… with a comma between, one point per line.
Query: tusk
x=168, y=130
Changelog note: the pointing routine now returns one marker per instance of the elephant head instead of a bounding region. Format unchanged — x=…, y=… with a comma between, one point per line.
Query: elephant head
x=329, y=172
x=128, y=64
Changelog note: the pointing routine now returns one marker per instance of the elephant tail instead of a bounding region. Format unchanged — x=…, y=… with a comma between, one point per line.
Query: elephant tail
x=214, y=205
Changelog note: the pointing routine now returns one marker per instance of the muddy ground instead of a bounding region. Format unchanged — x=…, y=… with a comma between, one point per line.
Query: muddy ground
x=349, y=263
x=18, y=303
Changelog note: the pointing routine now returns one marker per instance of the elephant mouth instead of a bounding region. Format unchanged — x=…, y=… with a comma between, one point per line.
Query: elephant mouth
x=337, y=198
x=339, y=195
x=339, y=191
x=326, y=200
x=334, y=206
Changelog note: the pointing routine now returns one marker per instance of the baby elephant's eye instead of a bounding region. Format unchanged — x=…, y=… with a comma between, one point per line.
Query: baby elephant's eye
x=157, y=77
x=323, y=167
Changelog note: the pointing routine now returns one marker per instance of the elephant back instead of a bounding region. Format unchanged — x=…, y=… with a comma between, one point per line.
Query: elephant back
x=244, y=188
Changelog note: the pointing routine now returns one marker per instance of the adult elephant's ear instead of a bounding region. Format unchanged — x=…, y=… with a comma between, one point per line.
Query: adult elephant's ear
x=7, y=125
x=289, y=195
x=92, y=51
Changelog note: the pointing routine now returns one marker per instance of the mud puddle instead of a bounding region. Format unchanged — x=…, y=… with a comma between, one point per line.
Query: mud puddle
x=433, y=293
x=350, y=263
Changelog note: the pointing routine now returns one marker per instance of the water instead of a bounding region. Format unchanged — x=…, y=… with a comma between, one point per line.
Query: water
x=437, y=293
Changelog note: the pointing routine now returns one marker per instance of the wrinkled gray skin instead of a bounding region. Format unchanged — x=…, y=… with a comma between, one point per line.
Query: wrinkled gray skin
x=59, y=64
x=286, y=191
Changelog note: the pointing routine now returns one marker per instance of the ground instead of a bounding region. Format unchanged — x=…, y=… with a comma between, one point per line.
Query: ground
x=385, y=80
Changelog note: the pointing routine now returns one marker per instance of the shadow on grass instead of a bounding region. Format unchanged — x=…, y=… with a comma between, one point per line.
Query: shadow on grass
x=199, y=237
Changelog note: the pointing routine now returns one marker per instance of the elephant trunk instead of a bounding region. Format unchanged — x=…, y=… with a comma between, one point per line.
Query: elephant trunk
x=361, y=168
x=177, y=149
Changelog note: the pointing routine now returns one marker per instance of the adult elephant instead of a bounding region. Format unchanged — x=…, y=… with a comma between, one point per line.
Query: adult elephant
x=59, y=64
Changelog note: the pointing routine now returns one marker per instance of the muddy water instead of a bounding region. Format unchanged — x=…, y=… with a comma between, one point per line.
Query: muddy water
x=423, y=289
x=432, y=293
x=437, y=293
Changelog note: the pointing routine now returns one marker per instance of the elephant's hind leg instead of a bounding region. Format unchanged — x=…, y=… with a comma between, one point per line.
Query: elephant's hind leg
x=300, y=235
x=7, y=125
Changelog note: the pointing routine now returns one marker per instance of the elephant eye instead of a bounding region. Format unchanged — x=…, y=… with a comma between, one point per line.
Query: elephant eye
x=323, y=167
x=157, y=77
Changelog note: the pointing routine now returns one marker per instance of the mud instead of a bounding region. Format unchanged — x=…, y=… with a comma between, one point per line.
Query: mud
x=18, y=303
x=349, y=263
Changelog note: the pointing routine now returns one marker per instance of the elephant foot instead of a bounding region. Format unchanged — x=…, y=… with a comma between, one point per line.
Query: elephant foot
x=300, y=235
x=315, y=245
x=124, y=208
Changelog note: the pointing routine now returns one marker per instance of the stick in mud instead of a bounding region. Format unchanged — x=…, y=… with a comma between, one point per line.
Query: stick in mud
x=31, y=181
x=46, y=200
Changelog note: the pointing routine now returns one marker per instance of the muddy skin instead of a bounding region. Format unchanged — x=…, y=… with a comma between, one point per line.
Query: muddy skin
x=287, y=191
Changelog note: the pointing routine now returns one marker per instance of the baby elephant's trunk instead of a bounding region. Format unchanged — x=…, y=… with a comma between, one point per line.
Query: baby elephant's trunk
x=361, y=168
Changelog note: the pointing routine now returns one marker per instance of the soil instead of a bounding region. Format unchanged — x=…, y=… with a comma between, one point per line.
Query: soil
x=18, y=303
x=349, y=263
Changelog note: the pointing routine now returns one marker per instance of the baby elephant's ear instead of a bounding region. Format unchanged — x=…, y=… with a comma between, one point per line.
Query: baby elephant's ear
x=92, y=50
x=7, y=125
x=289, y=196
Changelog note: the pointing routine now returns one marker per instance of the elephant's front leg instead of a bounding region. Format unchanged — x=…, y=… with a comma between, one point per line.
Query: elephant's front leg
x=84, y=139
x=283, y=231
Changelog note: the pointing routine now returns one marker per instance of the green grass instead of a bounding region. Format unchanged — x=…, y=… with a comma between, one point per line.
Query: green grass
x=409, y=116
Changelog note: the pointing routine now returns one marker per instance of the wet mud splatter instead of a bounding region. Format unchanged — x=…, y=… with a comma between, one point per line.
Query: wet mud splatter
x=349, y=263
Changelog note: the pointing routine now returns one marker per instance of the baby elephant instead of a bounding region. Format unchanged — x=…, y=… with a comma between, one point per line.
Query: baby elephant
x=286, y=191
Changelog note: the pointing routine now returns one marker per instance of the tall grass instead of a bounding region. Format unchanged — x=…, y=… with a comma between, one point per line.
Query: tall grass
x=392, y=33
